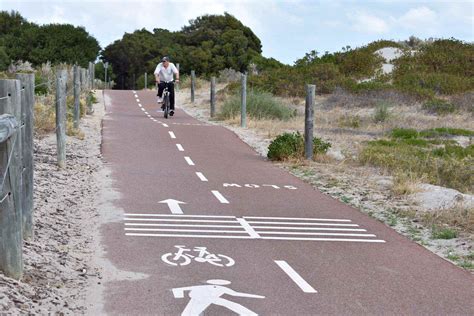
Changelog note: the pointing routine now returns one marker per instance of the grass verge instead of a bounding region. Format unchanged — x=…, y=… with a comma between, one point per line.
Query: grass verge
x=424, y=155
x=260, y=105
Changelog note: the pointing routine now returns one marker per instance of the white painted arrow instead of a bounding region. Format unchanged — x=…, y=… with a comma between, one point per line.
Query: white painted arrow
x=173, y=205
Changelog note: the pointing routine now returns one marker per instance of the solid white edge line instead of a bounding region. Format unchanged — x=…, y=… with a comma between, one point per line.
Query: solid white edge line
x=188, y=230
x=201, y=176
x=299, y=218
x=180, y=148
x=189, y=161
x=303, y=285
x=303, y=224
x=317, y=234
x=172, y=135
x=188, y=236
x=220, y=197
x=326, y=239
x=179, y=215
x=182, y=225
x=311, y=228
x=179, y=220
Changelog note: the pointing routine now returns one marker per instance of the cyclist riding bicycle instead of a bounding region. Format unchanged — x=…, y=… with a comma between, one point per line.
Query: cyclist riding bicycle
x=164, y=78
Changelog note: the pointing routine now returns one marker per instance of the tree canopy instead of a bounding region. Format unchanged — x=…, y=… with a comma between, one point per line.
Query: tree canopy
x=57, y=43
x=207, y=45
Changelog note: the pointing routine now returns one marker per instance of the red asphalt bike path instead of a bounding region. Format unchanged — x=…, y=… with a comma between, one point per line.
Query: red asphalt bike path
x=299, y=250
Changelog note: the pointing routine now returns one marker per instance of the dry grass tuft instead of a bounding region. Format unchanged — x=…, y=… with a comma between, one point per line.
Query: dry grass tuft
x=74, y=132
x=459, y=217
x=45, y=118
x=406, y=183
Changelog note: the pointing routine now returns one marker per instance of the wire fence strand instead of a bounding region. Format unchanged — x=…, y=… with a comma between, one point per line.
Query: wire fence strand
x=5, y=197
x=8, y=163
x=42, y=84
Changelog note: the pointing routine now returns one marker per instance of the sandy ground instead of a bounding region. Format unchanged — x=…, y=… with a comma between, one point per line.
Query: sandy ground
x=58, y=262
x=362, y=187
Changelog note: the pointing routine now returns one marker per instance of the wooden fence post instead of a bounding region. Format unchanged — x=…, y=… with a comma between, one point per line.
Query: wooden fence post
x=243, y=100
x=27, y=112
x=213, y=96
x=83, y=79
x=309, y=121
x=146, y=81
x=91, y=75
x=77, y=96
x=193, y=84
x=11, y=232
x=61, y=81
x=88, y=79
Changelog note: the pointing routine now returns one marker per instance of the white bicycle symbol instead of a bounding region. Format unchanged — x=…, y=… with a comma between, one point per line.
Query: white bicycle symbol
x=181, y=258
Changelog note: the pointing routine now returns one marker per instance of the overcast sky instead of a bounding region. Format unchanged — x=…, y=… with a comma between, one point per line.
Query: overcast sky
x=287, y=28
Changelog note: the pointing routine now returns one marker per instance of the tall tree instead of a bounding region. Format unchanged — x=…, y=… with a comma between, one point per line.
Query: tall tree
x=207, y=45
x=57, y=43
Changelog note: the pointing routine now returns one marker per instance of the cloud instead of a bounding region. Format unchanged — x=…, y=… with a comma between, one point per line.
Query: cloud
x=418, y=18
x=368, y=23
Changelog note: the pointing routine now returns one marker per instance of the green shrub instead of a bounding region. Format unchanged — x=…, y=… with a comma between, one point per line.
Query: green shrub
x=359, y=63
x=438, y=106
x=409, y=133
x=443, y=233
x=260, y=105
x=286, y=146
x=439, y=162
x=320, y=146
x=445, y=131
x=366, y=86
x=382, y=112
x=404, y=133
x=291, y=146
x=41, y=86
x=454, y=151
x=443, y=56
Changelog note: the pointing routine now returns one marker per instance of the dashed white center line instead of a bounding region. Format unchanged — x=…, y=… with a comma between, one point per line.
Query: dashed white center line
x=172, y=135
x=142, y=109
x=180, y=148
x=220, y=197
x=165, y=125
x=189, y=161
x=295, y=277
x=139, y=104
x=138, y=100
x=201, y=176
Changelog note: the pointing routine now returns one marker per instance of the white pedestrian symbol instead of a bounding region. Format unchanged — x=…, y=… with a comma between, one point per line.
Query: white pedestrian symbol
x=203, y=296
x=182, y=257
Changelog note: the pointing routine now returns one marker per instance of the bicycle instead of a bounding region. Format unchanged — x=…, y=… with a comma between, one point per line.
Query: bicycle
x=166, y=99
x=182, y=258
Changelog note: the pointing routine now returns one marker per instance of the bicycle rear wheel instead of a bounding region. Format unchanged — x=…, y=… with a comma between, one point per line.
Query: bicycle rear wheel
x=167, y=105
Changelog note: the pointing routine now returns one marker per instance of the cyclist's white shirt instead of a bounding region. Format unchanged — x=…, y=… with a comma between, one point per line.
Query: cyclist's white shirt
x=166, y=74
